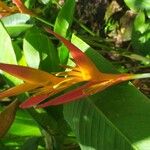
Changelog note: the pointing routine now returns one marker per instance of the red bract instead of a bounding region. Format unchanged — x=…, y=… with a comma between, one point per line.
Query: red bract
x=20, y=5
x=44, y=85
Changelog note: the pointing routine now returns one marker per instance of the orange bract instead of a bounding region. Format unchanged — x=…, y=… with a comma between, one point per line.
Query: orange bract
x=43, y=85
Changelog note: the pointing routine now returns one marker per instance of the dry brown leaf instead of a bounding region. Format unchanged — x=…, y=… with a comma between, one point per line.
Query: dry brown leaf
x=7, y=10
x=7, y=117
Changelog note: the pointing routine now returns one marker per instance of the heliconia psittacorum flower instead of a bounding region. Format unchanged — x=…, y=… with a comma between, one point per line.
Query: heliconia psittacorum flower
x=43, y=85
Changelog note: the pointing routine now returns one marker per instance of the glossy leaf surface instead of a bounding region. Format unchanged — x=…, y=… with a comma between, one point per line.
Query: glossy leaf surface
x=65, y=18
x=110, y=119
x=62, y=24
x=7, y=53
x=40, y=52
x=15, y=24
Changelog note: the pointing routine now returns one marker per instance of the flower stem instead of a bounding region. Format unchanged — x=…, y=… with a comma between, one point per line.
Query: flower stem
x=44, y=21
x=127, y=77
x=141, y=76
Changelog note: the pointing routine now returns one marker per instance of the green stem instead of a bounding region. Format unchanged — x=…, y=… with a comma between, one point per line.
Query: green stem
x=80, y=24
x=84, y=27
x=137, y=57
x=127, y=77
x=44, y=21
x=141, y=76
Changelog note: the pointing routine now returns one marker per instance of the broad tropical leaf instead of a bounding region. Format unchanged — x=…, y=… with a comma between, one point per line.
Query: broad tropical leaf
x=62, y=24
x=117, y=118
x=40, y=52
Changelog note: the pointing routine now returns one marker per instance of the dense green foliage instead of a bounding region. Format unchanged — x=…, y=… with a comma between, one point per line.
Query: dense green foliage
x=117, y=118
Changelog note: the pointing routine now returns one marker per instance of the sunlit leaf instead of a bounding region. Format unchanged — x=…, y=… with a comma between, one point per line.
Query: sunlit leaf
x=110, y=119
x=24, y=125
x=15, y=19
x=40, y=52
x=7, y=54
x=137, y=5
x=45, y=1
x=62, y=24
x=65, y=18
x=15, y=24
x=6, y=49
x=30, y=3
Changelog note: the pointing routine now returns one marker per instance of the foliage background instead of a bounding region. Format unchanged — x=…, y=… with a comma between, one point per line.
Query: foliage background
x=117, y=118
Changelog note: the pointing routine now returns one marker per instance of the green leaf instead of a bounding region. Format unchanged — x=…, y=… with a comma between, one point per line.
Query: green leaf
x=39, y=51
x=46, y=1
x=30, y=3
x=15, y=30
x=62, y=24
x=141, y=35
x=12, y=142
x=7, y=54
x=3, y=147
x=139, y=21
x=19, y=53
x=63, y=54
x=31, y=144
x=24, y=125
x=15, y=19
x=65, y=18
x=116, y=119
x=15, y=24
x=137, y=5
x=22, y=129
x=6, y=49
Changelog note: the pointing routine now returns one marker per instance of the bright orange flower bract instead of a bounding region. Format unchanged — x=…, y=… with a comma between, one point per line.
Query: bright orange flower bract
x=43, y=85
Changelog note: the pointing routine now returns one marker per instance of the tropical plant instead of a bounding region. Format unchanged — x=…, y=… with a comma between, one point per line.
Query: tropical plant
x=42, y=69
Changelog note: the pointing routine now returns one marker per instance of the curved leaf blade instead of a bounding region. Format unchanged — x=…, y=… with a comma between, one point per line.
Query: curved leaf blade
x=7, y=53
x=15, y=19
x=62, y=24
x=40, y=52
x=117, y=118
x=65, y=18
x=6, y=48
x=7, y=117
x=16, y=23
